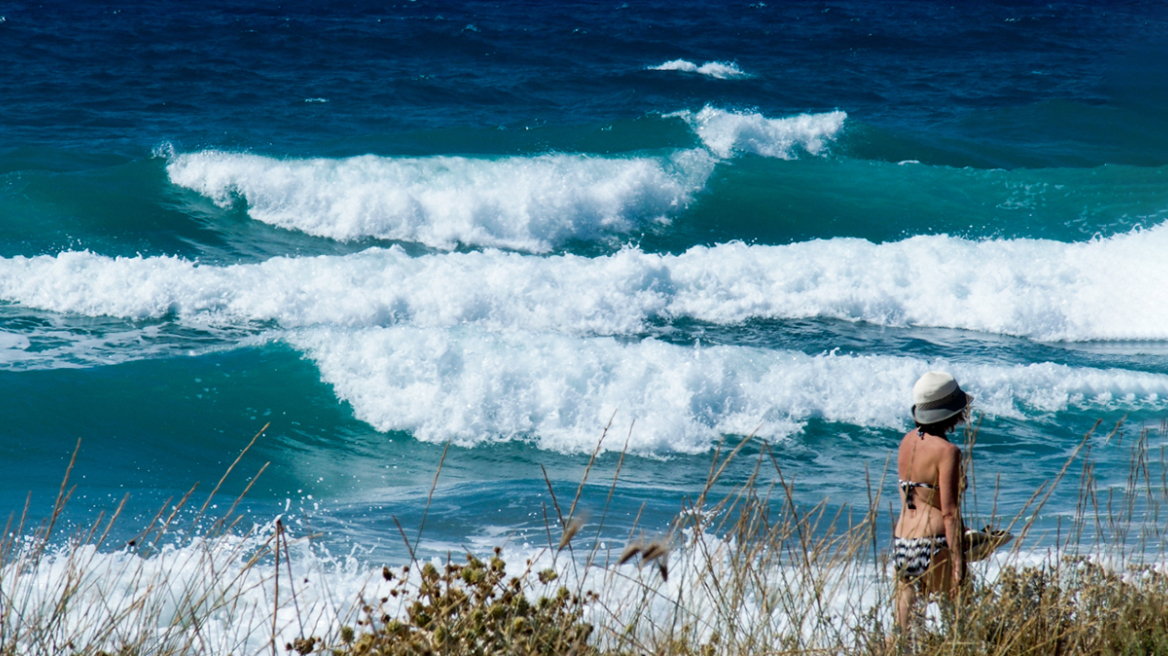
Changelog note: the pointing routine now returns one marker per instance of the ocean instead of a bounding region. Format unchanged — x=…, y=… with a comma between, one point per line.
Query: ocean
x=448, y=253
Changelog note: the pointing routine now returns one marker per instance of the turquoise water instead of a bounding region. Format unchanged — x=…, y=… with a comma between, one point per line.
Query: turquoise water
x=385, y=230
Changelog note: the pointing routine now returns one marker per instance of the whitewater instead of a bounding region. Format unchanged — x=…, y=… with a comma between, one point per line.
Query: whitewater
x=450, y=262
x=1106, y=289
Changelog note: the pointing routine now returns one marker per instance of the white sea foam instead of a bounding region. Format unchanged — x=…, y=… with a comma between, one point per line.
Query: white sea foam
x=727, y=133
x=479, y=346
x=522, y=203
x=11, y=342
x=718, y=70
x=531, y=203
x=472, y=387
x=73, y=349
x=84, y=344
x=1104, y=289
x=206, y=597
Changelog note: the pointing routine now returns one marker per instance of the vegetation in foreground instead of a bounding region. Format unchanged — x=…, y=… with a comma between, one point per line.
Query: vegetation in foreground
x=747, y=574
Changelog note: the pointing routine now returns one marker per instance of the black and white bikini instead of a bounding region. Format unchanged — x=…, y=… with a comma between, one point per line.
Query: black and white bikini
x=911, y=556
x=909, y=487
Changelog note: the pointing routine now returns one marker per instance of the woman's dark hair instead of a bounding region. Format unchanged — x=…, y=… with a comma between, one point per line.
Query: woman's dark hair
x=940, y=428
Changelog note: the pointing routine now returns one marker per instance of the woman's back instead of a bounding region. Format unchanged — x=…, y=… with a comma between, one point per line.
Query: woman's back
x=929, y=469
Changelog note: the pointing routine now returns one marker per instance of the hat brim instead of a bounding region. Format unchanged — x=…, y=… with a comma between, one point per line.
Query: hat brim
x=938, y=411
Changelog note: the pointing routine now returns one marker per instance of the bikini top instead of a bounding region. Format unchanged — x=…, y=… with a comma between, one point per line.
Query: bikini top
x=909, y=487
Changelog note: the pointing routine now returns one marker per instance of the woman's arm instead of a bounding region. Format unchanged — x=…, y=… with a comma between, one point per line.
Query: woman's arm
x=950, y=484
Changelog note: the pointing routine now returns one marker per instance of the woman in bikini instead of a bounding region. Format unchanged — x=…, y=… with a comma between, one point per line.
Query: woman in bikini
x=927, y=549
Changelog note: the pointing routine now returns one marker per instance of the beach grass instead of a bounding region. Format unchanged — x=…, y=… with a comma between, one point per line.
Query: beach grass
x=748, y=572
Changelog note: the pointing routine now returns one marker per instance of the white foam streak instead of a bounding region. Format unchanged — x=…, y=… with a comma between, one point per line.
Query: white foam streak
x=11, y=342
x=1106, y=289
x=717, y=70
x=522, y=203
x=58, y=348
x=727, y=133
x=472, y=387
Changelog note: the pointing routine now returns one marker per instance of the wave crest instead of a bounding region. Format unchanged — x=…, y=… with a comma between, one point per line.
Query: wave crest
x=531, y=204
x=726, y=133
x=1104, y=289
x=521, y=203
x=718, y=70
x=473, y=387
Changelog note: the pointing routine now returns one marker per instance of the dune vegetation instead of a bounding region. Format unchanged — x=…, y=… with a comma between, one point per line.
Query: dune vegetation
x=750, y=572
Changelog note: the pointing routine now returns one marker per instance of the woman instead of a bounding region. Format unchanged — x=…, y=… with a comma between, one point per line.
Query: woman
x=927, y=549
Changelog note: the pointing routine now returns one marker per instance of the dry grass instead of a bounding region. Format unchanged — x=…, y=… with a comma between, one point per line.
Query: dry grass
x=77, y=595
x=750, y=572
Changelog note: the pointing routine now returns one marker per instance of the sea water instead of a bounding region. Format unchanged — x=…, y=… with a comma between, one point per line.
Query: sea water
x=448, y=253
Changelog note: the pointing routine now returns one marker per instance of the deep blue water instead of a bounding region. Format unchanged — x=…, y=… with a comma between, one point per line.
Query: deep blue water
x=384, y=228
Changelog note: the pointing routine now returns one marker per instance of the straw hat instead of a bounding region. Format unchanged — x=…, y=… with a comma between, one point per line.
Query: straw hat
x=937, y=397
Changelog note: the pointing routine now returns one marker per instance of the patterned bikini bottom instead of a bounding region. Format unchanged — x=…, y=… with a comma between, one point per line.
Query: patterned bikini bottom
x=911, y=556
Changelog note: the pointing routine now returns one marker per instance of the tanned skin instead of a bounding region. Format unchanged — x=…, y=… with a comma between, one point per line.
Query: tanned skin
x=931, y=459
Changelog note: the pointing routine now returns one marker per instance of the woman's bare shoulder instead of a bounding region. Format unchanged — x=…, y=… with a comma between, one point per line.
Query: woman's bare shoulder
x=929, y=446
x=950, y=448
